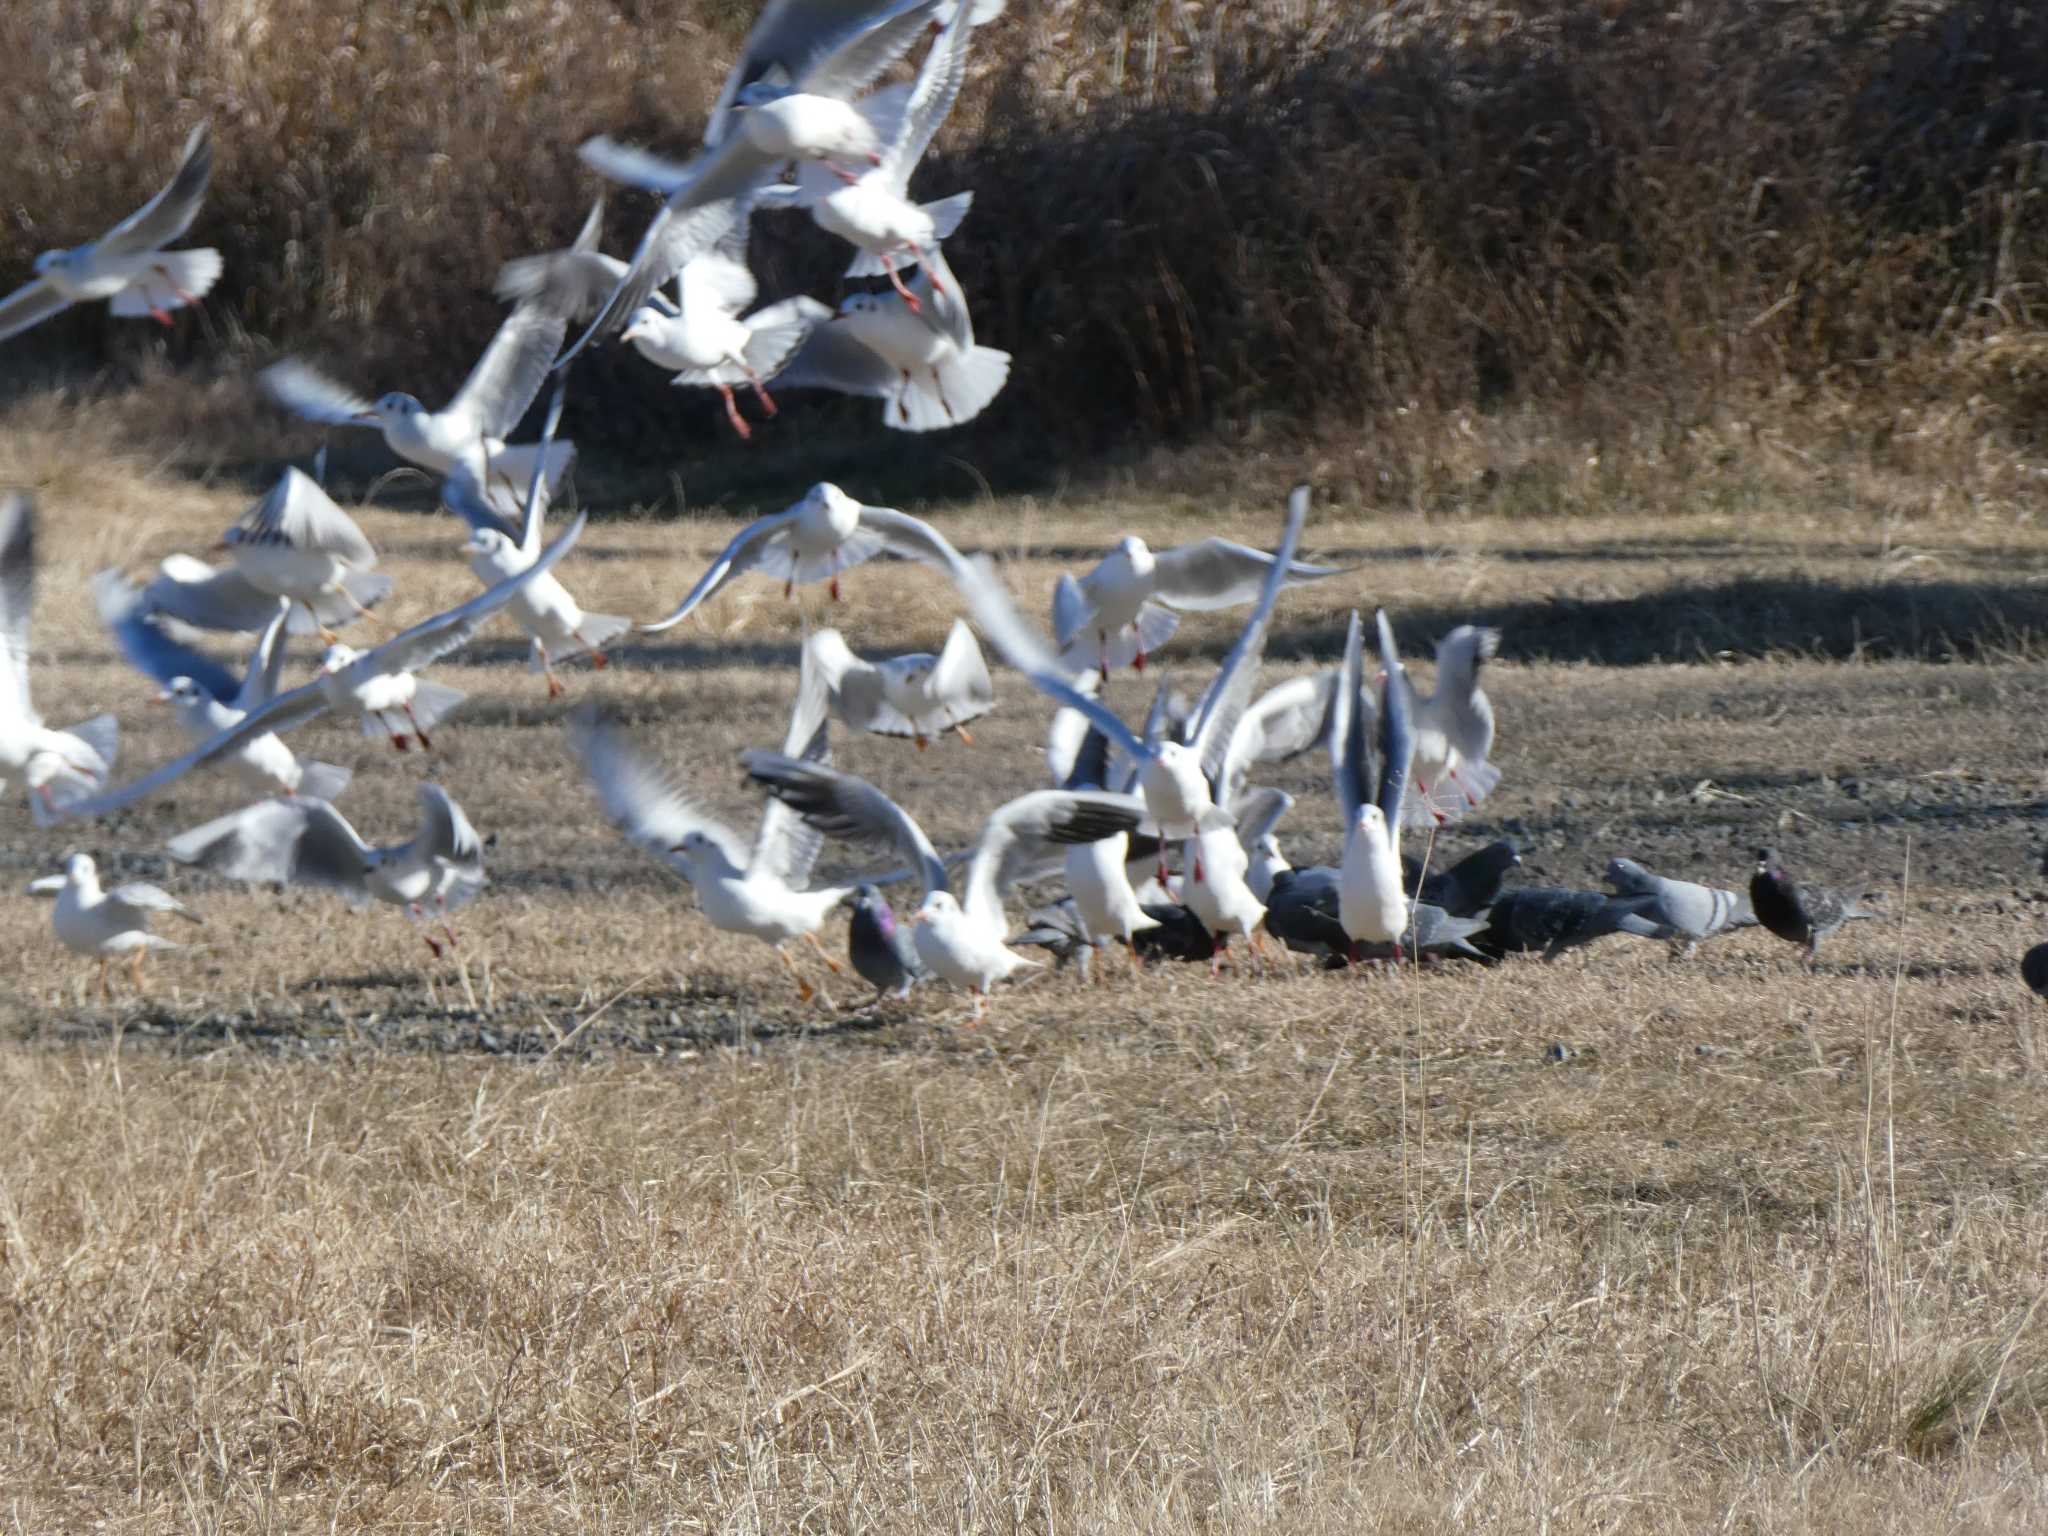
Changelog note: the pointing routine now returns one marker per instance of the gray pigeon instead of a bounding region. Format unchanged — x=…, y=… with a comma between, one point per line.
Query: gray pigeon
x=1552, y=921
x=879, y=950
x=1301, y=912
x=1469, y=885
x=1689, y=912
x=1058, y=930
x=1799, y=914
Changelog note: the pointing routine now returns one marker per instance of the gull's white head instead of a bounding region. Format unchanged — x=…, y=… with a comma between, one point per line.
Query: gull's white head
x=1137, y=554
x=486, y=544
x=839, y=511
x=79, y=869
x=645, y=325
x=52, y=261
x=937, y=907
x=859, y=304
x=1371, y=822
x=395, y=406
x=337, y=656
x=184, y=694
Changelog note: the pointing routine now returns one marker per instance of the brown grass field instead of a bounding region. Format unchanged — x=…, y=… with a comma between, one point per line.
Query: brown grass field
x=597, y=1228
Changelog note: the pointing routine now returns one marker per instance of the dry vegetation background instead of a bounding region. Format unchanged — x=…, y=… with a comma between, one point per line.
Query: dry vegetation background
x=597, y=1229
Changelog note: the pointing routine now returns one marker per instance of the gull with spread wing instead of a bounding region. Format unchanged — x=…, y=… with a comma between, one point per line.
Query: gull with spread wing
x=108, y=924
x=377, y=685
x=761, y=892
x=920, y=361
x=1453, y=729
x=815, y=540
x=306, y=841
x=959, y=939
x=916, y=695
x=297, y=543
x=127, y=266
x=207, y=697
x=57, y=766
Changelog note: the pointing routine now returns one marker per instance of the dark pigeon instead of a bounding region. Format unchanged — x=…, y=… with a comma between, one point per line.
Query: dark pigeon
x=1551, y=921
x=1688, y=911
x=1469, y=885
x=1301, y=912
x=1180, y=935
x=879, y=949
x=2034, y=969
x=1058, y=930
x=1798, y=914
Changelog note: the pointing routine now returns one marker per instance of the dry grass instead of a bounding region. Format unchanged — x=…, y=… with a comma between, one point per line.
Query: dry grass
x=601, y=1230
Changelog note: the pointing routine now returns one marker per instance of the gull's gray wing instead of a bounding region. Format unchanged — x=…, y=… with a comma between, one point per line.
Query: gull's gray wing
x=792, y=37
x=149, y=647
x=1217, y=573
x=1224, y=704
x=939, y=80
x=30, y=304
x=449, y=837
x=17, y=602
x=738, y=557
x=1258, y=812
x=462, y=494
x=434, y=638
x=515, y=365
x=307, y=392
x=266, y=662
x=1028, y=652
x=647, y=803
x=131, y=904
x=785, y=846
x=851, y=65
x=579, y=278
x=960, y=676
x=170, y=213
x=298, y=513
x=1396, y=734
x=1019, y=834
x=300, y=841
x=207, y=596
x=840, y=805
x=1071, y=610
x=831, y=357
x=944, y=301
x=1350, y=761
x=911, y=538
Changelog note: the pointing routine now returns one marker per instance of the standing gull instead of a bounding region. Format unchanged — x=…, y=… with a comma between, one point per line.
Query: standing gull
x=1373, y=901
x=108, y=924
x=58, y=766
x=815, y=540
x=306, y=841
x=916, y=695
x=127, y=266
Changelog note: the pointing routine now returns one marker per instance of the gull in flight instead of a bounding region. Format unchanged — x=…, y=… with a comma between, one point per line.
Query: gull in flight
x=921, y=361
x=57, y=766
x=306, y=841
x=208, y=698
x=826, y=61
x=297, y=543
x=378, y=685
x=1373, y=897
x=108, y=924
x=760, y=892
x=554, y=621
x=815, y=540
x=1453, y=729
x=959, y=939
x=1112, y=616
x=916, y=695
x=127, y=266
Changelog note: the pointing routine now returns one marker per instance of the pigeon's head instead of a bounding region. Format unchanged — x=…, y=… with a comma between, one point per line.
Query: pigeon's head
x=869, y=900
x=335, y=657
x=396, y=406
x=1767, y=864
x=1627, y=875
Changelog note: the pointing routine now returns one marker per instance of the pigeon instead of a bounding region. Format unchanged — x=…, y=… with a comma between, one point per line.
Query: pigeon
x=208, y=698
x=959, y=940
x=764, y=891
x=1058, y=930
x=1550, y=920
x=1176, y=934
x=297, y=543
x=377, y=685
x=1302, y=912
x=920, y=360
x=1689, y=912
x=58, y=767
x=824, y=534
x=107, y=923
x=127, y=266
x=1470, y=885
x=1112, y=616
x=1373, y=901
x=1453, y=730
x=306, y=841
x=917, y=695
x=1799, y=914
x=2034, y=970
x=879, y=950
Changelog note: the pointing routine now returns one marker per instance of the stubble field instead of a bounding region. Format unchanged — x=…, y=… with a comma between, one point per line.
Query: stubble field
x=595, y=1226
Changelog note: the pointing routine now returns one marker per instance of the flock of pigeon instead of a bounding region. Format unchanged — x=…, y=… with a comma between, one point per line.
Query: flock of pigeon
x=800, y=124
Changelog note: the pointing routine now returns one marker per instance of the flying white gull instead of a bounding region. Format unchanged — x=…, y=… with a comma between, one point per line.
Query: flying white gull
x=127, y=265
x=961, y=940
x=297, y=543
x=208, y=698
x=916, y=695
x=760, y=891
x=815, y=540
x=554, y=621
x=306, y=841
x=1372, y=902
x=812, y=117
x=922, y=363
x=107, y=923
x=1112, y=616
x=377, y=685
x=57, y=766
x=1453, y=729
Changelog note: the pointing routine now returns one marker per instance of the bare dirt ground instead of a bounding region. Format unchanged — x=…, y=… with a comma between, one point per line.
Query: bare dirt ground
x=597, y=1227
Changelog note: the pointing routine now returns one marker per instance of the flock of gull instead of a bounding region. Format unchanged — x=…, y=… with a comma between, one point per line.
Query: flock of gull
x=1168, y=847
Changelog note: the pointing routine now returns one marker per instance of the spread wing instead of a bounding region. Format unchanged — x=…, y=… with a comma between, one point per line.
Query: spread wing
x=738, y=557
x=450, y=838
x=833, y=358
x=301, y=841
x=785, y=846
x=298, y=514
x=839, y=805
x=1396, y=734
x=170, y=213
x=794, y=37
x=207, y=596
x=17, y=601
x=960, y=677
x=307, y=392
x=1350, y=762
x=150, y=648
x=938, y=85
x=266, y=662
x=509, y=375
x=1019, y=835
x=29, y=305
x=434, y=638
x=908, y=537
x=1216, y=573
x=647, y=803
